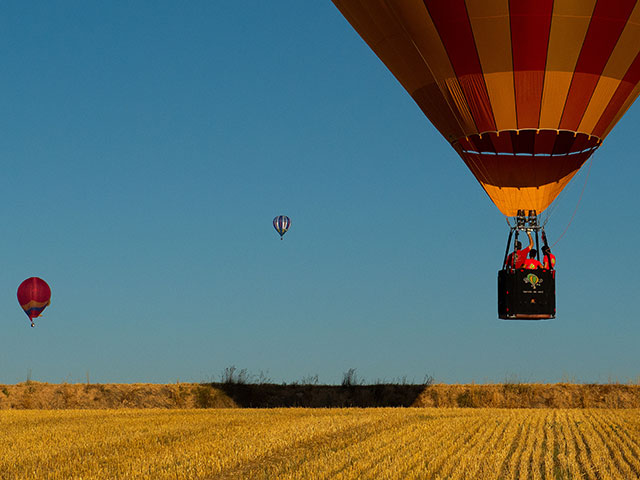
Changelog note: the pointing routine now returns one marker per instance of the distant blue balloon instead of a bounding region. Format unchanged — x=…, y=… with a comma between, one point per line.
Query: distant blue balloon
x=281, y=223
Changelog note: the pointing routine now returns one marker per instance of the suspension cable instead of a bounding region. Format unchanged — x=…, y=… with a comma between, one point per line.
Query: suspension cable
x=563, y=193
x=577, y=205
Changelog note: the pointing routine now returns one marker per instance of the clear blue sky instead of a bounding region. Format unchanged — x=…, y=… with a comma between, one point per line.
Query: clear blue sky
x=146, y=148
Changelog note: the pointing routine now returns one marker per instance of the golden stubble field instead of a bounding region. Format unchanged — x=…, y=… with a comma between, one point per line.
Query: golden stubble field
x=385, y=443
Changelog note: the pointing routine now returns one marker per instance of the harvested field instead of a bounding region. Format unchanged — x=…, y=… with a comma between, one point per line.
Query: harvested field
x=380, y=443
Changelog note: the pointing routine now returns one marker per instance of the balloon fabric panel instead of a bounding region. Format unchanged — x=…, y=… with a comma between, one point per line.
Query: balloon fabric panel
x=625, y=95
x=568, y=28
x=600, y=98
x=440, y=97
x=618, y=66
x=34, y=309
x=530, y=26
x=626, y=49
x=490, y=24
x=454, y=28
x=544, y=79
x=606, y=27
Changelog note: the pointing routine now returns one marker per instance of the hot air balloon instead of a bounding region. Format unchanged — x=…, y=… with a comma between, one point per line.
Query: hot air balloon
x=34, y=295
x=524, y=90
x=281, y=223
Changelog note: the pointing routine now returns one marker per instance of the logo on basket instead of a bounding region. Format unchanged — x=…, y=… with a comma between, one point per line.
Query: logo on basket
x=533, y=280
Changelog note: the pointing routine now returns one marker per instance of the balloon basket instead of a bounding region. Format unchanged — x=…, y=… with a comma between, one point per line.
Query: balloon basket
x=527, y=294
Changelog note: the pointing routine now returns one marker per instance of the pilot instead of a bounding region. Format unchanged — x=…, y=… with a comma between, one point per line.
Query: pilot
x=517, y=258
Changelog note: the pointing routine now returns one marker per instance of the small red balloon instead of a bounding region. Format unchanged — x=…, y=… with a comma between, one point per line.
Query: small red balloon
x=34, y=295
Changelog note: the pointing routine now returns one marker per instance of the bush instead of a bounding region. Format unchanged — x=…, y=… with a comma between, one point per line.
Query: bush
x=350, y=378
x=231, y=376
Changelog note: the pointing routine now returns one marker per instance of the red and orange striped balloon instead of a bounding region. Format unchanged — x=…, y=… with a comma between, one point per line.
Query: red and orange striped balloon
x=524, y=90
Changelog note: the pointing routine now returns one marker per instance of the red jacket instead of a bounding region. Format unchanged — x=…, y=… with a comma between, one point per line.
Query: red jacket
x=552, y=257
x=532, y=263
x=520, y=256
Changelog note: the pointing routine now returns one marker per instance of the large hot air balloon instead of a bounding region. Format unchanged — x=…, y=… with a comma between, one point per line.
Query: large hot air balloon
x=34, y=295
x=281, y=223
x=524, y=90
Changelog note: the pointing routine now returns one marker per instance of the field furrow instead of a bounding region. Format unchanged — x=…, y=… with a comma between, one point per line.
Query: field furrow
x=518, y=443
x=478, y=457
x=613, y=448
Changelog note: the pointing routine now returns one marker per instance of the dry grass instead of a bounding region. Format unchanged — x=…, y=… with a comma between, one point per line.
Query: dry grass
x=35, y=395
x=531, y=395
x=301, y=444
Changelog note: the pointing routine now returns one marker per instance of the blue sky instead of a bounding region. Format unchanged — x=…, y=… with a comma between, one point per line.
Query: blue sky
x=146, y=148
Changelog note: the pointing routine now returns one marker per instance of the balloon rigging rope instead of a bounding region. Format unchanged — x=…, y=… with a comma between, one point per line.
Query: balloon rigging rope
x=577, y=205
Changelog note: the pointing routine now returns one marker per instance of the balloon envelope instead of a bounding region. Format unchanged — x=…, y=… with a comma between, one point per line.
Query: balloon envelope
x=34, y=295
x=281, y=223
x=524, y=90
